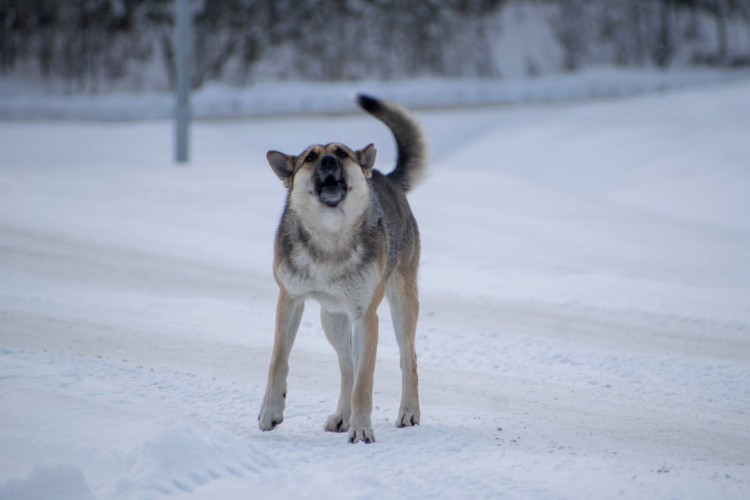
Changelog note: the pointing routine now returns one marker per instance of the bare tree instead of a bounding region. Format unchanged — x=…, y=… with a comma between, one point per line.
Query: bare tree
x=663, y=49
x=571, y=29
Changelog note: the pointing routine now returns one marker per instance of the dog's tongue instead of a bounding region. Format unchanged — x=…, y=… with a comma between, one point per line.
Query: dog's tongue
x=332, y=190
x=332, y=194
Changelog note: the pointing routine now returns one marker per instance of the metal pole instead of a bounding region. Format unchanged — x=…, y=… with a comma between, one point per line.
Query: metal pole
x=183, y=45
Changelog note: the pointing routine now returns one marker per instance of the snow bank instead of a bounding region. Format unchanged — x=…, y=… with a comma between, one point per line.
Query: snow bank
x=18, y=101
x=59, y=482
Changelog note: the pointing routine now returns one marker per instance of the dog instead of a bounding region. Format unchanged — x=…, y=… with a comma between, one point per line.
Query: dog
x=347, y=238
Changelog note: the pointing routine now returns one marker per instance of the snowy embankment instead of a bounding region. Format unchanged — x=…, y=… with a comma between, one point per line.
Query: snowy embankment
x=21, y=100
x=585, y=326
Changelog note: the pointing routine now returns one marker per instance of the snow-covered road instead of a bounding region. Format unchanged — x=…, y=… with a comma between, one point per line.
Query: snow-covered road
x=585, y=327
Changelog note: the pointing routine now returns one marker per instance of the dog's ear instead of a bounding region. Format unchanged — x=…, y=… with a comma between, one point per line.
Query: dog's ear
x=282, y=165
x=366, y=158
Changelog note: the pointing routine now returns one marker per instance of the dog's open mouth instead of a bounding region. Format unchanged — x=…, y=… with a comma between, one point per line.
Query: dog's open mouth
x=331, y=189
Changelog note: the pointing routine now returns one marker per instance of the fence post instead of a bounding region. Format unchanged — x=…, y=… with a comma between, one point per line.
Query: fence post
x=183, y=45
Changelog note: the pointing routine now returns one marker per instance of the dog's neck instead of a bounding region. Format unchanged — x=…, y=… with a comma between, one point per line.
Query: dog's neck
x=332, y=230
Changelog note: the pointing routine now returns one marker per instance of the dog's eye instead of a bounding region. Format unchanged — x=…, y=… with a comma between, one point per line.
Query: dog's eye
x=342, y=154
x=311, y=157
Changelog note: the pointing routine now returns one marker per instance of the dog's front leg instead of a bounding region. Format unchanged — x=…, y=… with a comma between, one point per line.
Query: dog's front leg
x=364, y=351
x=288, y=316
x=338, y=330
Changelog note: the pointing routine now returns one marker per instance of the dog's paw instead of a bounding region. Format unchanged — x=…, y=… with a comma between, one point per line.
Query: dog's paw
x=408, y=416
x=270, y=416
x=366, y=435
x=336, y=423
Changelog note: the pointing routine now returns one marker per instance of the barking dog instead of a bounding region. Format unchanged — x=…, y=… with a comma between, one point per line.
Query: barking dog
x=347, y=238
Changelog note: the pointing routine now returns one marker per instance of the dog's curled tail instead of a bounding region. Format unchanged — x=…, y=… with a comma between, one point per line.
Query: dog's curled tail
x=412, y=157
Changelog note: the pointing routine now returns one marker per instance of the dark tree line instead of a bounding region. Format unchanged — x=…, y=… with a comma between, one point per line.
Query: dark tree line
x=638, y=32
x=91, y=43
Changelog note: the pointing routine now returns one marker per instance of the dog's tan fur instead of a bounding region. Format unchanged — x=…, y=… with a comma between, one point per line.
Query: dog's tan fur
x=347, y=239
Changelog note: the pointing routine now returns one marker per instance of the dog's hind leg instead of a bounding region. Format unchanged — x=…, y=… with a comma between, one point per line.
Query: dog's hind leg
x=338, y=330
x=404, y=303
x=288, y=316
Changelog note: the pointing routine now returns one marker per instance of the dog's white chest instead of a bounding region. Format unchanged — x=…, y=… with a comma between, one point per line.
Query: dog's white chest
x=339, y=286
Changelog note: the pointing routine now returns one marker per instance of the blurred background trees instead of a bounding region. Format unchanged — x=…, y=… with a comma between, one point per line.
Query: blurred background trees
x=89, y=45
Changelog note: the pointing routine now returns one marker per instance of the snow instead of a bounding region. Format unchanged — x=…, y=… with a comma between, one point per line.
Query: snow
x=585, y=325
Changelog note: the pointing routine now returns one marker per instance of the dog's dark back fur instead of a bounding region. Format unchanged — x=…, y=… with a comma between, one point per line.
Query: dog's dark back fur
x=392, y=211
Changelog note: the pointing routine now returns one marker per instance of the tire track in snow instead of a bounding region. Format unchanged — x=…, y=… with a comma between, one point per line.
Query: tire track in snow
x=65, y=259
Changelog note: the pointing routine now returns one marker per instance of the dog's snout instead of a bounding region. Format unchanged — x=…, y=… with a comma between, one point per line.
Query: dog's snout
x=328, y=164
x=330, y=181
